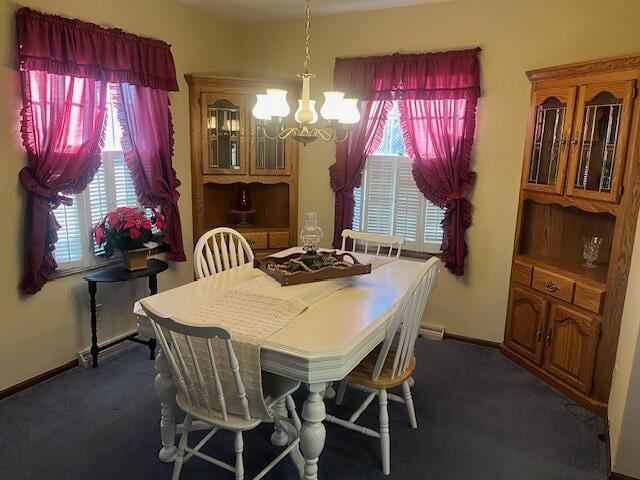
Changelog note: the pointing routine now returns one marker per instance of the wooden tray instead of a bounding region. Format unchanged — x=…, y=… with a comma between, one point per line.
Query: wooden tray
x=267, y=265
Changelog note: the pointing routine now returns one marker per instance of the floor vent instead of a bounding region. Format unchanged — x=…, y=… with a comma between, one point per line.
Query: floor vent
x=432, y=332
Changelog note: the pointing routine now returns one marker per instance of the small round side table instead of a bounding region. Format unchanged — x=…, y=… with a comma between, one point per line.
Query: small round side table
x=119, y=274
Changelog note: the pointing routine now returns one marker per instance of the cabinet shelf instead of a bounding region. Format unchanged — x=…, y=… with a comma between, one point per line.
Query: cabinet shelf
x=566, y=201
x=593, y=276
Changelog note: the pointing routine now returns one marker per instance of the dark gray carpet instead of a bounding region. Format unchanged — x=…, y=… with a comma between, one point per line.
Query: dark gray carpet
x=480, y=417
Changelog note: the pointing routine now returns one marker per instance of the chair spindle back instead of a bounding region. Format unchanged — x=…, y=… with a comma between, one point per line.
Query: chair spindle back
x=373, y=243
x=220, y=249
x=405, y=325
x=195, y=368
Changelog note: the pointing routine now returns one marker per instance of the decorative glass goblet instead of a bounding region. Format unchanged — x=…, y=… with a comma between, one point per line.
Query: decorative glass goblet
x=591, y=250
x=311, y=233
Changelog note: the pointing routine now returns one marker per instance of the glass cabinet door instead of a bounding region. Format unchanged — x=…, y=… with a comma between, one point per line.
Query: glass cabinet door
x=269, y=154
x=223, y=131
x=599, y=142
x=549, y=128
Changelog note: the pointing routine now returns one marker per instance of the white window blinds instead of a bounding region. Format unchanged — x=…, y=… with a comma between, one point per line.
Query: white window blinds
x=389, y=202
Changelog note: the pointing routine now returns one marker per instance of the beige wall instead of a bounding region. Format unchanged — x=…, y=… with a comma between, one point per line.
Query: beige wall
x=515, y=36
x=44, y=331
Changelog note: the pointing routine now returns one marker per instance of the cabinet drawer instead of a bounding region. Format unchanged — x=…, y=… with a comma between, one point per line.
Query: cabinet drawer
x=257, y=240
x=553, y=284
x=278, y=239
x=521, y=273
x=589, y=297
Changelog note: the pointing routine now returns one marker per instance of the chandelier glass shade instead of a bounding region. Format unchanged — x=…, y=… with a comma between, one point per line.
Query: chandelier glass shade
x=272, y=108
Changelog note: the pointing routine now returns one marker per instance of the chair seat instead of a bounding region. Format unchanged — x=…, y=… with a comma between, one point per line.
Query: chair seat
x=361, y=375
x=274, y=387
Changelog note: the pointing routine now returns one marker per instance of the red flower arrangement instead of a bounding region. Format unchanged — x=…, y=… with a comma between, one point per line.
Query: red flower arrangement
x=128, y=228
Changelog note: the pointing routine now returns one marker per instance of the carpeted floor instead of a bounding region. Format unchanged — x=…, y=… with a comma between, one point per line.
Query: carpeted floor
x=480, y=418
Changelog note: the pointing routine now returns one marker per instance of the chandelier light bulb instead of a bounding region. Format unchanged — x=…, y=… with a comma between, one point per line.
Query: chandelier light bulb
x=278, y=105
x=309, y=115
x=332, y=107
x=350, y=113
x=261, y=108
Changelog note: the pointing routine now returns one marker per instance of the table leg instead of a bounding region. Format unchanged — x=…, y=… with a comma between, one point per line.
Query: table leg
x=153, y=288
x=166, y=392
x=152, y=348
x=94, y=334
x=313, y=433
x=153, y=284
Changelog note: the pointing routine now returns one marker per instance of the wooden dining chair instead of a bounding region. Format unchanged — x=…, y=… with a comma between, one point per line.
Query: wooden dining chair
x=201, y=395
x=391, y=364
x=373, y=243
x=220, y=249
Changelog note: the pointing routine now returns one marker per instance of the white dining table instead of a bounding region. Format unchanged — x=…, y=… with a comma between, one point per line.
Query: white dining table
x=321, y=345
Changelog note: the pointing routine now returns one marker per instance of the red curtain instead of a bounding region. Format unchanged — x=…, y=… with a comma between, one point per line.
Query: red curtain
x=71, y=47
x=147, y=141
x=65, y=66
x=438, y=135
x=63, y=121
x=346, y=173
x=437, y=94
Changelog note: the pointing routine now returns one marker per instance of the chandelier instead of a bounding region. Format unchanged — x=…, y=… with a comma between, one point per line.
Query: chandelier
x=272, y=107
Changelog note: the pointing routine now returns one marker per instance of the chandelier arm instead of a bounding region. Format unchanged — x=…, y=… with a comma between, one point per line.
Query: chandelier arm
x=287, y=132
x=266, y=134
x=344, y=138
x=325, y=135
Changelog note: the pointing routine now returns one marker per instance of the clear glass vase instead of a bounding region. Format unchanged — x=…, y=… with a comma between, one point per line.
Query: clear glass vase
x=311, y=233
x=591, y=250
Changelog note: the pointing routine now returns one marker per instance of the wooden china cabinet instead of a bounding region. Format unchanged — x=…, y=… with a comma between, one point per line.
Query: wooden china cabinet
x=580, y=179
x=231, y=155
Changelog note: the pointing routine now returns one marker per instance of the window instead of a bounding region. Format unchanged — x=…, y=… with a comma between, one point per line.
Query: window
x=389, y=202
x=111, y=187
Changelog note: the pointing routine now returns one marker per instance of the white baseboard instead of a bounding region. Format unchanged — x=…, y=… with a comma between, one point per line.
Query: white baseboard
x=85, y=359
x=432, y=332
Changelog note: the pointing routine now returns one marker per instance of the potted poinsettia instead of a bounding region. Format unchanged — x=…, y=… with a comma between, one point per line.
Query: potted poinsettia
x=128, y=229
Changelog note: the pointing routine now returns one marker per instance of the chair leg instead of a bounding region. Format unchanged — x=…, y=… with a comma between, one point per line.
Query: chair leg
x=279, y=436
x=177, y=465
x=239, y=448
x=341, y=391
x=293, y=413
x=408, y=401
x=385, y=448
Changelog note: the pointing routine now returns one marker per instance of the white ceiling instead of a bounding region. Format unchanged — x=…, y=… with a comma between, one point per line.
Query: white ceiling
x=264, y=10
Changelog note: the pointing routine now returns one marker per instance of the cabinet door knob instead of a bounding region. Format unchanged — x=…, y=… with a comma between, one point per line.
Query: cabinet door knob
x=574, y=141
x=551, y=287
x=548, y=337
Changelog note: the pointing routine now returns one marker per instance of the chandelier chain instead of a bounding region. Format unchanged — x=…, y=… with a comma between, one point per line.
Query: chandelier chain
x=307, y=38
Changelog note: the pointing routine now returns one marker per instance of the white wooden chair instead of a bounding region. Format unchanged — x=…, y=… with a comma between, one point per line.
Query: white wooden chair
x=391, y=364
x=220, y=249
x=200, y=393
x=373, y=243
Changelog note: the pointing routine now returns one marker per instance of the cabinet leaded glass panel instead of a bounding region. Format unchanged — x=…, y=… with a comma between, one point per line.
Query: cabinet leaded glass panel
x=270, y=152
x=598, y=141
x=547, y=142
x=223, y=135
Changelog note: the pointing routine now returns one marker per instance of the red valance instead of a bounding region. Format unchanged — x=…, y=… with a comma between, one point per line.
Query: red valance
x=64, y=46
x=426, y=76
